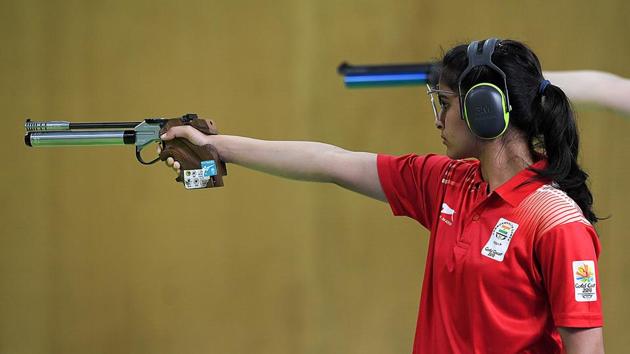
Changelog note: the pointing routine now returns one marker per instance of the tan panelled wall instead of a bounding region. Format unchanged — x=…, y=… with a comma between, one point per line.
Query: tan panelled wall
x=99, y=254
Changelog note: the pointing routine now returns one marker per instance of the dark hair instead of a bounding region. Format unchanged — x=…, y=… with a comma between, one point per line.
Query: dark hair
x=546, y=118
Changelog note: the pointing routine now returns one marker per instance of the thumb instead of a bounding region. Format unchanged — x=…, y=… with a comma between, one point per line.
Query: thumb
x=178, y=132
x=186, y=132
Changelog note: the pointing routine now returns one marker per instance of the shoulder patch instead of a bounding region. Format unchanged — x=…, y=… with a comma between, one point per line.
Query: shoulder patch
x=584, y=280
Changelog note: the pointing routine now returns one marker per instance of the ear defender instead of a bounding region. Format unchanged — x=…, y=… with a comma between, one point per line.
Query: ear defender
x=485, y=107
x=485, y=111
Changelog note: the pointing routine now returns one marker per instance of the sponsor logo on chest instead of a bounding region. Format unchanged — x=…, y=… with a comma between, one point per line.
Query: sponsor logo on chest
x=499, y=240
x=447, y=214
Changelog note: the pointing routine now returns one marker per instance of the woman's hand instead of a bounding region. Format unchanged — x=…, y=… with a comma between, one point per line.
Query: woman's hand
x=186, y=132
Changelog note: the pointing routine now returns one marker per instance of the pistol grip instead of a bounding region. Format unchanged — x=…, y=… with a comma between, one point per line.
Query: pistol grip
x=200, y=166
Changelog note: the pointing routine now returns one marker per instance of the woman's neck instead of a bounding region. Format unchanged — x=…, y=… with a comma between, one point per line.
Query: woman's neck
x=502, y=159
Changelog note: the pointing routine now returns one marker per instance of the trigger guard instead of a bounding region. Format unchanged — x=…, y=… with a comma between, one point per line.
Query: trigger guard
x=141, y=160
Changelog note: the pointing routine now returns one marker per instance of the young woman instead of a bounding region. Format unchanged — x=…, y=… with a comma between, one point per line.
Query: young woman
x=512, y=259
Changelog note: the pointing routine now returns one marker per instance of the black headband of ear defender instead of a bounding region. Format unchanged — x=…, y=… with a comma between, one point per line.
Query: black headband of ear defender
x=484, y=107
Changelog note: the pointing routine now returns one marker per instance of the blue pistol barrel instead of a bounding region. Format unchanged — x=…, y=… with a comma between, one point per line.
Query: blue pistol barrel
x=386, y=75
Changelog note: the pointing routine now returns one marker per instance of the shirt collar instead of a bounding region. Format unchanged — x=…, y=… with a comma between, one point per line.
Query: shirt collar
x=521, y=185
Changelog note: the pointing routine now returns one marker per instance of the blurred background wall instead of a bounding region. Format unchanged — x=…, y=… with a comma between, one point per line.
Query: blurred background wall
x=99, y=254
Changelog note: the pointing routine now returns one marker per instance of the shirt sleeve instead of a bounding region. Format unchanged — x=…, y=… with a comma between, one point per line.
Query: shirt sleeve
x=411, y=184
x=568, y=260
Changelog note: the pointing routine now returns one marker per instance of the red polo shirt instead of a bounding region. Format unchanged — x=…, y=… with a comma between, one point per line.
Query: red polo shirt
x=504, y=269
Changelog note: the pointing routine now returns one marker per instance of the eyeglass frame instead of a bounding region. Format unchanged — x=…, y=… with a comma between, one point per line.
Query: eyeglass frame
x=430, y=92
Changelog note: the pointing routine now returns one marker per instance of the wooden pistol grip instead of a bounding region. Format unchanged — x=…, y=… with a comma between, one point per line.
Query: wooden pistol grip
x=205, y=126
x=189, y=155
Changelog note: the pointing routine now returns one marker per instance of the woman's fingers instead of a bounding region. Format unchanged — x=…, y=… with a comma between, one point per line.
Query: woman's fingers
x=172, y=163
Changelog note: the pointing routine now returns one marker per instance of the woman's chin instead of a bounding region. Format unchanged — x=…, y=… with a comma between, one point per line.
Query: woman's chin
x=452, y=154
x=456, y=155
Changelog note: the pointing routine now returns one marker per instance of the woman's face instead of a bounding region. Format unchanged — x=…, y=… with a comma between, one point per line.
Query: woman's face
x=459, y=140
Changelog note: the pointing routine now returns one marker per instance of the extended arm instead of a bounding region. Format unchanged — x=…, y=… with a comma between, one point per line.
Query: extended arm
x=598, y=87
x=299, y=160
x=582, y=340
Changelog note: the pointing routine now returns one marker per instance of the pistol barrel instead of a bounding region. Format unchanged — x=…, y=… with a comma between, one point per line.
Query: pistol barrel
x=58, y=125
x=386, y=75
x=80, y=138
x=46, y=126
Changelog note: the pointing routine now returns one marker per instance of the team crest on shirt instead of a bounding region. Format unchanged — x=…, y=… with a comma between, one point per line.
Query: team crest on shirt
x=447, y=214
x=584, y=281
x=499, y=240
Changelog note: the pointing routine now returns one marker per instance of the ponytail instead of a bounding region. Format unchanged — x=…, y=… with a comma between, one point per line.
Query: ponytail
x=556, y=137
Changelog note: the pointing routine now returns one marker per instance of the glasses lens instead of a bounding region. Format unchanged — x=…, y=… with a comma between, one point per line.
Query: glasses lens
x=435, y=104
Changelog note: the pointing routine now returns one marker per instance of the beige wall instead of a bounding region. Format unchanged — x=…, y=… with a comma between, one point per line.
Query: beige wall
x=99, y=254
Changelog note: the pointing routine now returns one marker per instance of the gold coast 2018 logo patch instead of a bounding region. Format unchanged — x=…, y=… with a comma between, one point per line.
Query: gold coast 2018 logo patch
x=585, y=282
x=499, y=240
